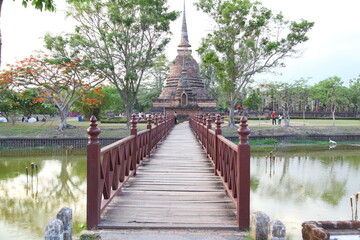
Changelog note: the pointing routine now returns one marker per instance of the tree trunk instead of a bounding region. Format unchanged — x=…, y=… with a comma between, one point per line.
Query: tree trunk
x=129, y=112
x=231, y=117
x=286, y=118
x=63, y=124
x=304, y=118
x=333, y=116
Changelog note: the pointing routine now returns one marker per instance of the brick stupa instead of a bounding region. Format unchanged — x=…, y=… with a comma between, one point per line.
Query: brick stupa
x=184, y=91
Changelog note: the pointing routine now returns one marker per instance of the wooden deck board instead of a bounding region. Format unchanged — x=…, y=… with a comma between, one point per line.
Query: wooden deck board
x=175, y=188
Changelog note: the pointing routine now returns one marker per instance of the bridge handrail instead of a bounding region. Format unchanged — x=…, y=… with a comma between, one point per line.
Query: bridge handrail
x=230, y=161
x=110, y=167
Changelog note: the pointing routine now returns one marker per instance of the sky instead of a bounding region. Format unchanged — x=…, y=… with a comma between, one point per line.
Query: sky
x=332, y=50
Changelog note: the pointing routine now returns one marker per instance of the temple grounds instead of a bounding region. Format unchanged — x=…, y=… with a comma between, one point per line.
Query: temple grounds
x=262, y=127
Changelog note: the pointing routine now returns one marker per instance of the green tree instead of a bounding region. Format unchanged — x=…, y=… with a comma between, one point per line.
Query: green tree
x=302, y=92
x=355, y=94
x=156, y=76
x=287, y=99
x=248, y=39
x=331, y=94
x=253, y=101
x=145, y=96
x=122, y=38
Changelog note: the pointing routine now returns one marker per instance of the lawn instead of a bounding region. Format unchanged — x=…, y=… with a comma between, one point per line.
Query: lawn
x=299, y=126
x=49, y=128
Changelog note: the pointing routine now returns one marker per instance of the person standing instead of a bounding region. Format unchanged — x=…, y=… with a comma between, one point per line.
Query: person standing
x=273, y=117
x=280, y=118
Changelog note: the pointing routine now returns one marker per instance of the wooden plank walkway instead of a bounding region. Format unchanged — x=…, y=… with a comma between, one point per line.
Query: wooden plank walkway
x=175, y=188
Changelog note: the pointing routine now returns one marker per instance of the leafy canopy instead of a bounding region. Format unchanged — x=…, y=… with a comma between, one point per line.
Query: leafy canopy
x=248, y=39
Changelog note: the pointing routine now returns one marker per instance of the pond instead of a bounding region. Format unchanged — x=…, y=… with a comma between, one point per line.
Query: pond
x=29, y=201
x=305, y=183
x=300, y=184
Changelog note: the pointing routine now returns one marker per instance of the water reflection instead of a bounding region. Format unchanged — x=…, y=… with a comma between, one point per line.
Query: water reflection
x=311, y=184
x=28, y=203
x=299, y=184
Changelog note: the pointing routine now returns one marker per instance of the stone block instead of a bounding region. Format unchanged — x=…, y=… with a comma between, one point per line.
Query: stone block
x=277, y=230
x=54, y=230
x=65, y=215
x=259, y=225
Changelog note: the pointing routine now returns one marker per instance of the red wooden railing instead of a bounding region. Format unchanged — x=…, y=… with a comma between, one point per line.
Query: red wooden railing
x=109, y=168
x=231, y=162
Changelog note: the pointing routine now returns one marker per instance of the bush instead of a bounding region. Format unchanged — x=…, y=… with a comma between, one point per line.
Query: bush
x=237, y=119
x=118, y=120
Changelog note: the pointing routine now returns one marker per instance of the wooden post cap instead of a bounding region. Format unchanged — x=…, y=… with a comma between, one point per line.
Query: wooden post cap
x=93, y=131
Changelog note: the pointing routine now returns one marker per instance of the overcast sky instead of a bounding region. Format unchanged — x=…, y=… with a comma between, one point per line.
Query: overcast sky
x=333, y=48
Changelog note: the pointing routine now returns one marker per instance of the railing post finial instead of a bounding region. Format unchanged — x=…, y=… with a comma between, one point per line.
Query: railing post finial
x=93, y=131
x=149, y=120
x=133, y=122
x=208, y=121
x=204, y=119
x=156, y=119
x=243, y=131
x=201, y=119
x=218, y=125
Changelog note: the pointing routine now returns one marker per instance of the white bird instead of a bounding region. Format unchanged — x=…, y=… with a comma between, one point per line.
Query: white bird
x=331, y=141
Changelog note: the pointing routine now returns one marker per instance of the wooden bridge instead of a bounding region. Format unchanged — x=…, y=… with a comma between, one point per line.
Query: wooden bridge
x=176, y=185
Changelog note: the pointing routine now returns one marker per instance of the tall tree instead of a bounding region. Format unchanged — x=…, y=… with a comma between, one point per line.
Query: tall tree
x=156, y=75
x=56, y=79
x=253, y=101
x=122, y=38
x=302, y=93
x=355, y=94
x=248, y=39
x=331, y=94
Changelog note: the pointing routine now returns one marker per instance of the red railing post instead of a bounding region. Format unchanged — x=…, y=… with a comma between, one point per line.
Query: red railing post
x=200, y=123
x=216, y=143
x=150, y=143
x=134, y=153
x=208, y=127
x=156, y=129
x=243, y=176
x=93, y=175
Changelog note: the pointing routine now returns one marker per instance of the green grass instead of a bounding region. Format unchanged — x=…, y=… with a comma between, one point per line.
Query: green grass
x=49, y=129
x=298, y=126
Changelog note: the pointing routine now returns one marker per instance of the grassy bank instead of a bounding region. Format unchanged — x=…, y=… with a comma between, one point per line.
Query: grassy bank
x=297, y=126
x=49, y=128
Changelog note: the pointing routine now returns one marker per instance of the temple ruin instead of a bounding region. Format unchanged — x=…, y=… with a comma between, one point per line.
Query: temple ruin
x=184, y=91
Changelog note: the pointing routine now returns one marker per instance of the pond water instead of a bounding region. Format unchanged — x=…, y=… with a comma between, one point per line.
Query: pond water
x=29, y=202
x=305, y=183
x=301, y=184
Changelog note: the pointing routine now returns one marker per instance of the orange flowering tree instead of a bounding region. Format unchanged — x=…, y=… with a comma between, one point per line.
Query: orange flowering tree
x=60, y=80
x=91, y=103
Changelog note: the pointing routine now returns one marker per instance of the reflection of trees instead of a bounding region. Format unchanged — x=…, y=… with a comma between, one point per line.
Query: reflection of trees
x=300, y=176
x=60, y=183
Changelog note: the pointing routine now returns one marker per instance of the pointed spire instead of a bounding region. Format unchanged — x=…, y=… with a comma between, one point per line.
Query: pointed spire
x=184, y=33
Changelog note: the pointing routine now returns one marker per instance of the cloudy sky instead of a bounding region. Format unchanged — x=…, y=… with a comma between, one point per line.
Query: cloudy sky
x=333, y=48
